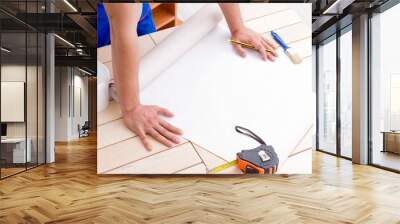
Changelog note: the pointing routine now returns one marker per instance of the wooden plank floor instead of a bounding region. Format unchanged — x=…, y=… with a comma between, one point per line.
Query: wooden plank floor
x=70, y=191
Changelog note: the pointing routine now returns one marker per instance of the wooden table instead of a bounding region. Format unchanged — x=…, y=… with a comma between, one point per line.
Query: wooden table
x=391, y=141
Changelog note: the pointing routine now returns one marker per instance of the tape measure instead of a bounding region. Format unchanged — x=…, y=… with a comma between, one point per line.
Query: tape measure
x=223, y=167
x=261, y=160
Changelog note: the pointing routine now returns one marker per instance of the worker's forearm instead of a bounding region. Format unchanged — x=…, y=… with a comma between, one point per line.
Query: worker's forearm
x=232, y=15
x=126, y=71
x=125, y=53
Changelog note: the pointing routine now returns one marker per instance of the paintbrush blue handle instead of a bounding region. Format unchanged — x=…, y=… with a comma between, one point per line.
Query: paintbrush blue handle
x=278, y=39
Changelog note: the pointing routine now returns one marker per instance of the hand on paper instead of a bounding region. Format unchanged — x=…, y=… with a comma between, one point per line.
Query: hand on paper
x=144, y=120
x=262, y=44
x=243, y=34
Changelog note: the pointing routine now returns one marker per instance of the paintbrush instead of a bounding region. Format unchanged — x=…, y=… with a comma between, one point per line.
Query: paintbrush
x=249, y=46
x=294, y=57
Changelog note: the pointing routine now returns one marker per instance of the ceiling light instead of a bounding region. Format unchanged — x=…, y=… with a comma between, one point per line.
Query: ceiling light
x=70, y=5
x=84, y=71
x=64, y=40
x=5, y=50
x=337, y=7
x=79, y=51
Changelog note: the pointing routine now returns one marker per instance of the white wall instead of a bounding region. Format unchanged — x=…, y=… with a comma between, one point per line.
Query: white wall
x=80, y=84
x=62, y=81
x=69, y=82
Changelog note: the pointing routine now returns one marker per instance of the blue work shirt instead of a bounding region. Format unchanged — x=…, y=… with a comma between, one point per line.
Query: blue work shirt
x=144, y=26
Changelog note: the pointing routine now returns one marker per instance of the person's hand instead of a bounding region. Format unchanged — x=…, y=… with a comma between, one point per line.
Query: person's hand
x=262, y=44
x=144, y=120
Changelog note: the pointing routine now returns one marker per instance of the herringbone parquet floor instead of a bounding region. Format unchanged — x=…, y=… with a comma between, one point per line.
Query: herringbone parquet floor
x=70, y=191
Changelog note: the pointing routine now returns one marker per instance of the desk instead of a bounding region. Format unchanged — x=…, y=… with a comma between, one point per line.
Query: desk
x=391, y=141
x=13, y=150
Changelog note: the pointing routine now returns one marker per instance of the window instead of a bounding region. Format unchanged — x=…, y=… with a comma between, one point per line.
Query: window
x=346, y=92
x=385, y=89
x=13, y=147
x=327, y=96
x=333, y=137
x=22, y=88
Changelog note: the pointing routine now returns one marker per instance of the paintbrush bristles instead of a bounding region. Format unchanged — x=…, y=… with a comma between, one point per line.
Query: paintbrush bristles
x=293, y=56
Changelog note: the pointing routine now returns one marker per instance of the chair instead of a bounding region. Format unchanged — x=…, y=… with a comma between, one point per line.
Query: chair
x=84, y=130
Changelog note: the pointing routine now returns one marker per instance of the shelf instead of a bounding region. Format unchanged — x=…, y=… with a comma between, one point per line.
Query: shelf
x=163, y=17
x=154, y=5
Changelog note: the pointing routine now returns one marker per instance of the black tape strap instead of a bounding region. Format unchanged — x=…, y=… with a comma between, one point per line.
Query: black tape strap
x=247, y=132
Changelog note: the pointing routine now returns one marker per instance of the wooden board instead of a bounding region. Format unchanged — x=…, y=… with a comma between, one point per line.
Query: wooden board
x=168, y=161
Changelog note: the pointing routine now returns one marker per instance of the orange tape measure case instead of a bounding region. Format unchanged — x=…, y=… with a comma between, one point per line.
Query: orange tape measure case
x=261, y=160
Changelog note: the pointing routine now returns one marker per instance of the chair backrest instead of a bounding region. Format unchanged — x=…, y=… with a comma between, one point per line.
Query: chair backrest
x=86, y=125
